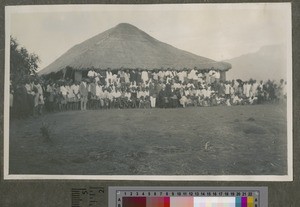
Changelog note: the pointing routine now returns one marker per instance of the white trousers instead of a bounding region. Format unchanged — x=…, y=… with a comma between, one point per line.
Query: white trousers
x=152, y=101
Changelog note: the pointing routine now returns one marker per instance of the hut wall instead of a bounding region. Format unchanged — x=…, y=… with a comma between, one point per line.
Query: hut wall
x=223, y=75
x=78, y=76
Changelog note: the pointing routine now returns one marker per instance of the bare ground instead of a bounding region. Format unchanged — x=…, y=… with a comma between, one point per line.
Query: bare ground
x=238, y=140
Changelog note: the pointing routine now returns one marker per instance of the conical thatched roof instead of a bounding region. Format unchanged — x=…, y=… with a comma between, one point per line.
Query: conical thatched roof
x=126, y=46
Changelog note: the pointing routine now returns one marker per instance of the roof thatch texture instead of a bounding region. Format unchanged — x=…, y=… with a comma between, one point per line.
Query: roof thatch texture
x=126, y=46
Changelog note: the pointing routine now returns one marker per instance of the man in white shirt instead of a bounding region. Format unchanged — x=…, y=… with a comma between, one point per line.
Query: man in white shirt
x=75, y=89
x=145, y=76
x=91, y=74
x=109, y=98
x=253, y=88
x=29, y=88
x=141, y=95
x=155, y=76
x=38, y=97
x=70, y=97
x=180, y=76
x=127, y=77
x=192, y=74
x=105, y=98
x=63, y=91
x=217, y=76
x=109, y=76
x=183, y=101
x=99, y=91
x=210, y=76
x=236, y=100
x=83, y=90
x=227, y=90
x=161, y=75
x=247, y=87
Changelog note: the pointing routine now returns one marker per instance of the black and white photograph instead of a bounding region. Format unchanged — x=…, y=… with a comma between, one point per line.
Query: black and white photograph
x=149, y=92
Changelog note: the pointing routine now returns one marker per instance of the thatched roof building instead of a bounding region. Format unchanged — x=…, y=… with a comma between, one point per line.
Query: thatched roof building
x=126, y=46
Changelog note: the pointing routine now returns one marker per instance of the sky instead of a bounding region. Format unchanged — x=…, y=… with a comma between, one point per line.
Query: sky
x=216, y=31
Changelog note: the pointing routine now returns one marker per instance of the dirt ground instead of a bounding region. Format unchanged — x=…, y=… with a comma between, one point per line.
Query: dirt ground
x=237, y=140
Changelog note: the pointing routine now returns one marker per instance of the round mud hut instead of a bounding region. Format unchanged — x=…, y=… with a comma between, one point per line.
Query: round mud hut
x=126, y=47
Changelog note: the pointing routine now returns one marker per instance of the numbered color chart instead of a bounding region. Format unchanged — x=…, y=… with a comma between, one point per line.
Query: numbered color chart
x=188, y=202
x=187, y=199
x=188, y=196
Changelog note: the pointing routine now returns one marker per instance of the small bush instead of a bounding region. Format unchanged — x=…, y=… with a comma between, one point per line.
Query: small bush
x=251, y=119
x=45, y=131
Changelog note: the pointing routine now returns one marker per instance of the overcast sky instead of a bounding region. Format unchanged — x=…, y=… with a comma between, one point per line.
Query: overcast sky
x=216, y=31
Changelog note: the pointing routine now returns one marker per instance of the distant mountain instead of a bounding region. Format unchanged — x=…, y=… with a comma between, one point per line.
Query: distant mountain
x=129, y=47
x=269, y=62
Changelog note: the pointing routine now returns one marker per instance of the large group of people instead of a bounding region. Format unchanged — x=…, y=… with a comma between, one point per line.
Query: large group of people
x=140, y=89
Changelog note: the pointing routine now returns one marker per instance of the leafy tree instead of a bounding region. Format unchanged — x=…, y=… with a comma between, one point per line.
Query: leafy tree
x=22, y=63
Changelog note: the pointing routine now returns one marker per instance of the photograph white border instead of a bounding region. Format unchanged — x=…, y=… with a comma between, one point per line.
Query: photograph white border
x=289, y=177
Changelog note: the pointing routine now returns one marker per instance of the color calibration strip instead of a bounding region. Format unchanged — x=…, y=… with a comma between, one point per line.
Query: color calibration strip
x=187, y=198
x=188, y=202
x=164, y=196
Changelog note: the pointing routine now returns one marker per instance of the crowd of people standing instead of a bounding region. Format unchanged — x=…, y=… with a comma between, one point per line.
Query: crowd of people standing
x=140, y=89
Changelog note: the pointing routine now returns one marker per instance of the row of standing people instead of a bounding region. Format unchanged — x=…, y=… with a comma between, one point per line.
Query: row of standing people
x=154, y=89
